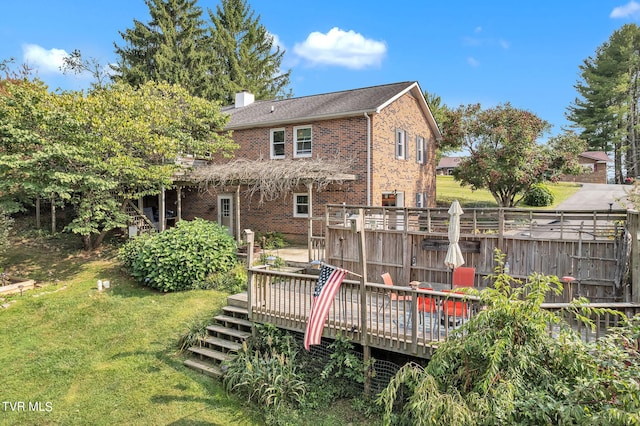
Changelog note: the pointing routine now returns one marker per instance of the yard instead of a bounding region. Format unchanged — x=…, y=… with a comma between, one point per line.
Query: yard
x=448, y=190
x=71, y=354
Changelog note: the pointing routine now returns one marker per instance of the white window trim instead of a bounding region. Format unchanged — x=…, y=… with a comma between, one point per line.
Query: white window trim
x=400, y=142
x=419, y=199
x=273, y=156
x=420, y=150
x=296, y=154
x=295, y=204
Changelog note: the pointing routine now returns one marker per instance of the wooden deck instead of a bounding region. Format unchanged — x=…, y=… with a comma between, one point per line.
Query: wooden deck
x=374, y=319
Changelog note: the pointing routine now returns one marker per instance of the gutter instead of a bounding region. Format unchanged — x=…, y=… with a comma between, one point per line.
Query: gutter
x=368, y=158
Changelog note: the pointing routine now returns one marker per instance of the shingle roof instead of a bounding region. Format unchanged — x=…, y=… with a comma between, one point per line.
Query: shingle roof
x=449, y=162
x=324, y=106
x=597, y=156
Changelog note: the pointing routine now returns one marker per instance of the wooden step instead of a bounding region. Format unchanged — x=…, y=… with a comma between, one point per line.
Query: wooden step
x=219, y=330
x=222, y=343
x=204, y=367
x=238, y=300
x=234, y=311
x=227, y=320
x=210, y=353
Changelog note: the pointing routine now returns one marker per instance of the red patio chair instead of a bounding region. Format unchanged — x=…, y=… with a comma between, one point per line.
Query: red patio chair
x=390, y=296
x=454, y=311
x=463, y=277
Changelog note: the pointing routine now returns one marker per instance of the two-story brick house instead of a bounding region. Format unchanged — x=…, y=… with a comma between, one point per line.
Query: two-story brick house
x=386, y=136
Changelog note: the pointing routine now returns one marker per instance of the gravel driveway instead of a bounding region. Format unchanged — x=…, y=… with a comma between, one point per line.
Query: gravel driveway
x=596, y=196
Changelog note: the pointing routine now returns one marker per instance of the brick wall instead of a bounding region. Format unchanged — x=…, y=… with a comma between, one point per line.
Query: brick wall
x=599, y=174
x=405, y=175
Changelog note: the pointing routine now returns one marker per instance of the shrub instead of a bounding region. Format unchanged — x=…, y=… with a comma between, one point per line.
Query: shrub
x=539, y=195
x=180, y=258
x=231, y=281
x=196, y=330
x=271, y=240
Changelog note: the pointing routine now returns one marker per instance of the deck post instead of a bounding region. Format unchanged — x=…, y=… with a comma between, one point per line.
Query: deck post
x=249, y=236
x=364, y=335
x=633, y=219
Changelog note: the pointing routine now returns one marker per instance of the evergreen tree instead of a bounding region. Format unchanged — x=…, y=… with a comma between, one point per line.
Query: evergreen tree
x=245, y=53
x=169, y=48
x=607, y=110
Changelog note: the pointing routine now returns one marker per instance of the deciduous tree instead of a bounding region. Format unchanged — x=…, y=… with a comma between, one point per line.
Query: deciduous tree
x=505, y=156
x=93, y=152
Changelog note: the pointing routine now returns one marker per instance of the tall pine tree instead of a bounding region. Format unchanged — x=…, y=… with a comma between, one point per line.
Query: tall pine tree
x=606, y=112
x=170, y=48
x=245, y=53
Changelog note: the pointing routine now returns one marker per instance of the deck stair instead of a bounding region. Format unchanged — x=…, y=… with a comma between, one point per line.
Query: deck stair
x=224, y=338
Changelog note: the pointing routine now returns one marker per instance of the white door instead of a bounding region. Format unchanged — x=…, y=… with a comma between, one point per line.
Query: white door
x=225, y=212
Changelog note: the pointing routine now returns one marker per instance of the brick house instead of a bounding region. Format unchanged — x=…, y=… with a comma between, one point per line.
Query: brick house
x=447, y=165
x=385, y=136
x=596, y=164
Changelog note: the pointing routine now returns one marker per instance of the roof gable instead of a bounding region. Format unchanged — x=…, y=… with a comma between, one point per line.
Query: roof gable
x=346, y=103
x=596, y=156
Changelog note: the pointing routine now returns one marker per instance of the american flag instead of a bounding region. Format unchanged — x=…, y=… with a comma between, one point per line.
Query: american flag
x=328, y=284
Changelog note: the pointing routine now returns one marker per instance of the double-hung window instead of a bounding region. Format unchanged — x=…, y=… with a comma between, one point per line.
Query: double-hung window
x=401, y=148
x=420, y=150
x=302, y=141
x=300, y=205
x=277, y=143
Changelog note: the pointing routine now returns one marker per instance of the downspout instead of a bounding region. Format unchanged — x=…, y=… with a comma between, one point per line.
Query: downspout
x=368, y=159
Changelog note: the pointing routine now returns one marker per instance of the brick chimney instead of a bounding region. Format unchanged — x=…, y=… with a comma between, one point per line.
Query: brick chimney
x=244, y=98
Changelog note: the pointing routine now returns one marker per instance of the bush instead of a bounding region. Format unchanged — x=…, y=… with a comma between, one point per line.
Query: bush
x=180, y=258
x=539, y=195
x=5, y=225
x=231, y=281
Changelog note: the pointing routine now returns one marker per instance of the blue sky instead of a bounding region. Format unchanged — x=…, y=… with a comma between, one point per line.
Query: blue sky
x=526, y=53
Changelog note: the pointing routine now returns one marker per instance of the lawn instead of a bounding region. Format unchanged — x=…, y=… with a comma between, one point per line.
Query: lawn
x=448, y=190
x=81, y=356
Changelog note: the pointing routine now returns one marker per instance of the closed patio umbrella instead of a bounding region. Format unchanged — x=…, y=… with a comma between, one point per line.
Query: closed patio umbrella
x=454, y=254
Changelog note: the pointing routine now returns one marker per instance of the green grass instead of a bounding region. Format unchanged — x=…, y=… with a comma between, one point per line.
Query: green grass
x=448, y=190
x=106, y=357
x=110, y=357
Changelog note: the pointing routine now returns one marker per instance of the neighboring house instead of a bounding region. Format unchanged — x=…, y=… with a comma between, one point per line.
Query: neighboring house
x=447, y=165
x=595, y=163
x=384, y=135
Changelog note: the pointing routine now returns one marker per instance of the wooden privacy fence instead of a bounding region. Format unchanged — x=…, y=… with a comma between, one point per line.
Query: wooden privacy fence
x=598, y=248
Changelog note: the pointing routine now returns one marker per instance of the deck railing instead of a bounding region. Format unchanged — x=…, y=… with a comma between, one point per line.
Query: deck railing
x=524, y=223
x=398, y=319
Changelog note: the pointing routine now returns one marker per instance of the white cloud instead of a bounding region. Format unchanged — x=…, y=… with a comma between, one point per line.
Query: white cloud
x=43, y=60
x=631, y=9
x=342, y=48
x=504, y=44
x=276, y=42
x=473, y=62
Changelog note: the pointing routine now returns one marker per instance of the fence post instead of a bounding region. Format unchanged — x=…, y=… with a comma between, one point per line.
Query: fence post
x=501, y=229
x=634, y=267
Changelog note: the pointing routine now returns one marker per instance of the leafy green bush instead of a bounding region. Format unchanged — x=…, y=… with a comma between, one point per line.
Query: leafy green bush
x=539, y=195
x=180, y=258
x=504, y=367
x=231, y=281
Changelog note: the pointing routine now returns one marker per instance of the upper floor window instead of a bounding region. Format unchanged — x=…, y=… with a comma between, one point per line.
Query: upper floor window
x=420, y=150
x=277, y=143
x=302, y=141
x=401, y=150
x=300, y=205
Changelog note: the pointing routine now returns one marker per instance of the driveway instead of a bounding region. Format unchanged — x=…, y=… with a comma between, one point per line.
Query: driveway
x=597, y=196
